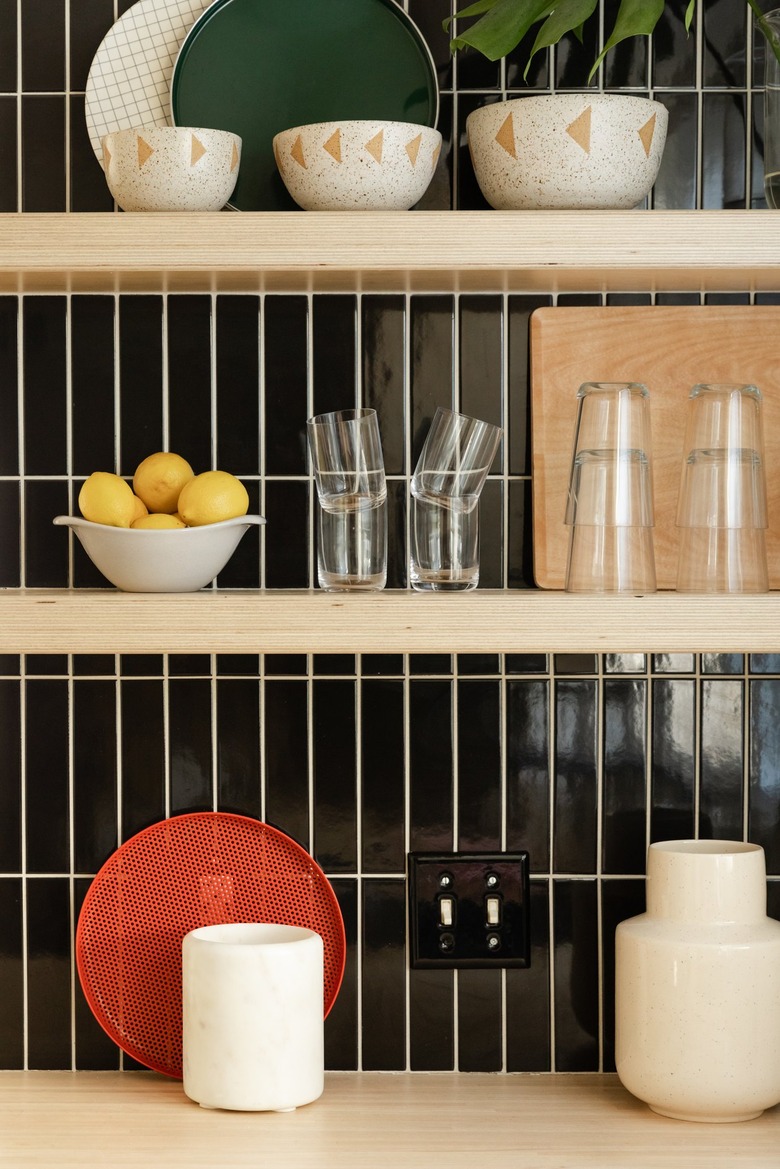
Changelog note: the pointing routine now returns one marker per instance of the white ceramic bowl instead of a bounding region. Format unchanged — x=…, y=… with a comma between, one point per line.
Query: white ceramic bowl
x=169, y=560
x=357, y=165
x=567, y=150
x=171, y=168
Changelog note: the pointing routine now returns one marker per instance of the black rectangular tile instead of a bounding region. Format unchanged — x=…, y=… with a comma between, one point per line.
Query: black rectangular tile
x=94, y=773
x=526, y=72
x=8, y=144
x=341, y=1025
x=48, y=973
x=9, y=364
x=89, y=21
x=429, y=16
x=237, y=378
x=673, y=759
x=528, y=994
x=335, y=775
x=11, y=787
x=11, y=975
x=140, y=665
x=383, y=988
x=519, y=374
x=481, y=327
x=94, y=1050
x=334, y=361
x=189, y=380
x=140, y=379
x=46, y=776
x=525, y=663
x=723, y=46
x=244, y=570
x=575, y=663
x=381, y=665
x=339, y=664
x=278, y=664
x=673, y=51
x=469, y=195
x=46, y=547
x=285, y=359
x=189, y=745
x=576, y=976
x=431, y=1020
x=432, y=341
x=43, y=46
x=430, y=664
x=142, y=755
x=238, y=746
x=472, y=664
x=397, y=557
x=765, y=768
x=88, y=188
x=722, y=663
x=723, y=150
x=479, y=764
x=528, y=770
x=8, y=45
x=480, y=1021
x=430, y=765
x=287, y=535
x=383, y=348
x=45, y=415
x=491, y=539
x=10, y=528
x=92, y=383
x=245, y=664
x=189, y=665
x=722, y=759
x=43, y=153
x=40, y=665
x=382, y=775
x=88, y=665
x=619, y=900
x=625, y=762
x=676, y=185
x=285, y=721
x=576, y=776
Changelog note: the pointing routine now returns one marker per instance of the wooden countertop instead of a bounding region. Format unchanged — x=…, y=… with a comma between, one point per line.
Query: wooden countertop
x=367, y=1121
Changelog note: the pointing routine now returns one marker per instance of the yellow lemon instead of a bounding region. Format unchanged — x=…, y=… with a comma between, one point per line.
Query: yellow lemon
x=140, y=508
x=107, y=499
x=157, y=520
x=159, y=479
x=211, y=497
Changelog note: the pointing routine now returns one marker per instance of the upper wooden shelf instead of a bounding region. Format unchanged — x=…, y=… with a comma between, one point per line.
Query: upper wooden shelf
x=519, y=251
x=107, y=621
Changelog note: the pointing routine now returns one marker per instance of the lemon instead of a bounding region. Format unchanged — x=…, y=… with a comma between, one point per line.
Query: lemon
x=106, y=499
x=159, y=479
x=212, y=496
x=140, y=508
x=157, y=520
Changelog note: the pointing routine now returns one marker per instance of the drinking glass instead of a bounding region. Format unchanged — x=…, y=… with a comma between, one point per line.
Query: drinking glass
x=349, y=474
x=446, y=486
x=772, y=109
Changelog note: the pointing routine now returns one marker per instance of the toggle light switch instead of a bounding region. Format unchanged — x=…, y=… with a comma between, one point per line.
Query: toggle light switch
x=446, y=912
x=493, y=911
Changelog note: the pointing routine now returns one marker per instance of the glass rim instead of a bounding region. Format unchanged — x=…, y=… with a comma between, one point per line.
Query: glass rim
x=637, y=388
x=747, y=389
x=357, y=414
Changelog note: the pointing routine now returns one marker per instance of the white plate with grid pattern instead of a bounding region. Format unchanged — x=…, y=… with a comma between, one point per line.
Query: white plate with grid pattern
x=130, y=75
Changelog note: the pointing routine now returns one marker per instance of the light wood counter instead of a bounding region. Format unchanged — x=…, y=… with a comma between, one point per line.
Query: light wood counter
x=367, y=1121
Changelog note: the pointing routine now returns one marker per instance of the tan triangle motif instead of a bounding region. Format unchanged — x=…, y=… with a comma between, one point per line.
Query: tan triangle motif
x=297, y=152
x=506, y=135
x=646, y=133
x=436, y=154
x=579, y=129
x=333, y=145
x=413, y=149
x=145, y=151
x=234, y=158
x=198, y=150
x=106, y=155
x=374, y=147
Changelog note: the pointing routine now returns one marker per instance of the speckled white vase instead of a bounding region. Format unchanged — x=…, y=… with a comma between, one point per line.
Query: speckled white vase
x=252, y=1015
x=567, y=151
x=171, y=168
x=697, y=994
x=357, y=165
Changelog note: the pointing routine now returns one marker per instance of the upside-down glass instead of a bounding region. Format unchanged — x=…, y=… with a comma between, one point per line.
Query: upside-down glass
x=772, y=109
x=722, y=505
x=446, y=486
x=349, y=473
x=610, y=502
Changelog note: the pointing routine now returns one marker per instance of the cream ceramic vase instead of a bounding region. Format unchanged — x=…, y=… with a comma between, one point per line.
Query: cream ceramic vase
x=697, y=996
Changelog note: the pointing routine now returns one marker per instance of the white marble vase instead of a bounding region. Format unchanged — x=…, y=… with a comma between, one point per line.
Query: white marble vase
x=252, y=1013
x=697, y=994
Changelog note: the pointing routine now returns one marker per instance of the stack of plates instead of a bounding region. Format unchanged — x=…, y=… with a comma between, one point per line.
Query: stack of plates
x=258, y=68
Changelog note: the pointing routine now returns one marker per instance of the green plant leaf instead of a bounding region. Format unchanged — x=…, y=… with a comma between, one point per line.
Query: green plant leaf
x=501, y=28
x=472, y=10
x=635, y=18
x=689, y=11
x=568, y=16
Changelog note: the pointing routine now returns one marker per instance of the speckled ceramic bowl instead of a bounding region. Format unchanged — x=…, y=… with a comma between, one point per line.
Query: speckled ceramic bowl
x=357, y=165
x=567, y=150
x=171, y=168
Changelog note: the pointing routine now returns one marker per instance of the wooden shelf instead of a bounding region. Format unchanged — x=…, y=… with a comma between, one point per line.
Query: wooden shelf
x=520, y=251
x=106, y=621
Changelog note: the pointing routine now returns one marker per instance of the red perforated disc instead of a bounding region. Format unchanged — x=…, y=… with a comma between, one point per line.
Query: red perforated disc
x=203, y=868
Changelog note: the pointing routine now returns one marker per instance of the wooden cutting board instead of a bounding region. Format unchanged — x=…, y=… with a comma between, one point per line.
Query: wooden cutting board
x=670, y=350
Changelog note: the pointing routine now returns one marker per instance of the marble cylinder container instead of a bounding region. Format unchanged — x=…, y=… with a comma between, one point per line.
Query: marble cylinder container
x=697, y=985
x=252, y=1012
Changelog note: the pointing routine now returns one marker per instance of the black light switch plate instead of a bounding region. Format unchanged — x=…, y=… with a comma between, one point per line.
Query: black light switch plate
x=469, y=910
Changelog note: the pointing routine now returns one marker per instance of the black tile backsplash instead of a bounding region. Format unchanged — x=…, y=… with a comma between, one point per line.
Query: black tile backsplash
x=580, y=759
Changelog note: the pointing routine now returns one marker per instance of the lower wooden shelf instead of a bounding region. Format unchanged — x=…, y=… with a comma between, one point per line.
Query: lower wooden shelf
x=522, y=621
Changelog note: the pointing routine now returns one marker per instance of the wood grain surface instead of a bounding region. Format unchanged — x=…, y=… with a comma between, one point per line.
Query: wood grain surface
x=669, y=349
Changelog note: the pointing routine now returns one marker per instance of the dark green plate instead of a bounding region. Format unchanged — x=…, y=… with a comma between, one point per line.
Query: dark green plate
x=260, y=66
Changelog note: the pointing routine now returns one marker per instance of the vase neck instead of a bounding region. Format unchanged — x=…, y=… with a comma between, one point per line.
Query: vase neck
x=706, y=880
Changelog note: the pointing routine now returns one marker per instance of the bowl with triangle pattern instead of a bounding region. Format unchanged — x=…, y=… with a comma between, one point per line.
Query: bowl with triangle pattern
x=171, y=168
x=357, y=165
x=567, y=151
